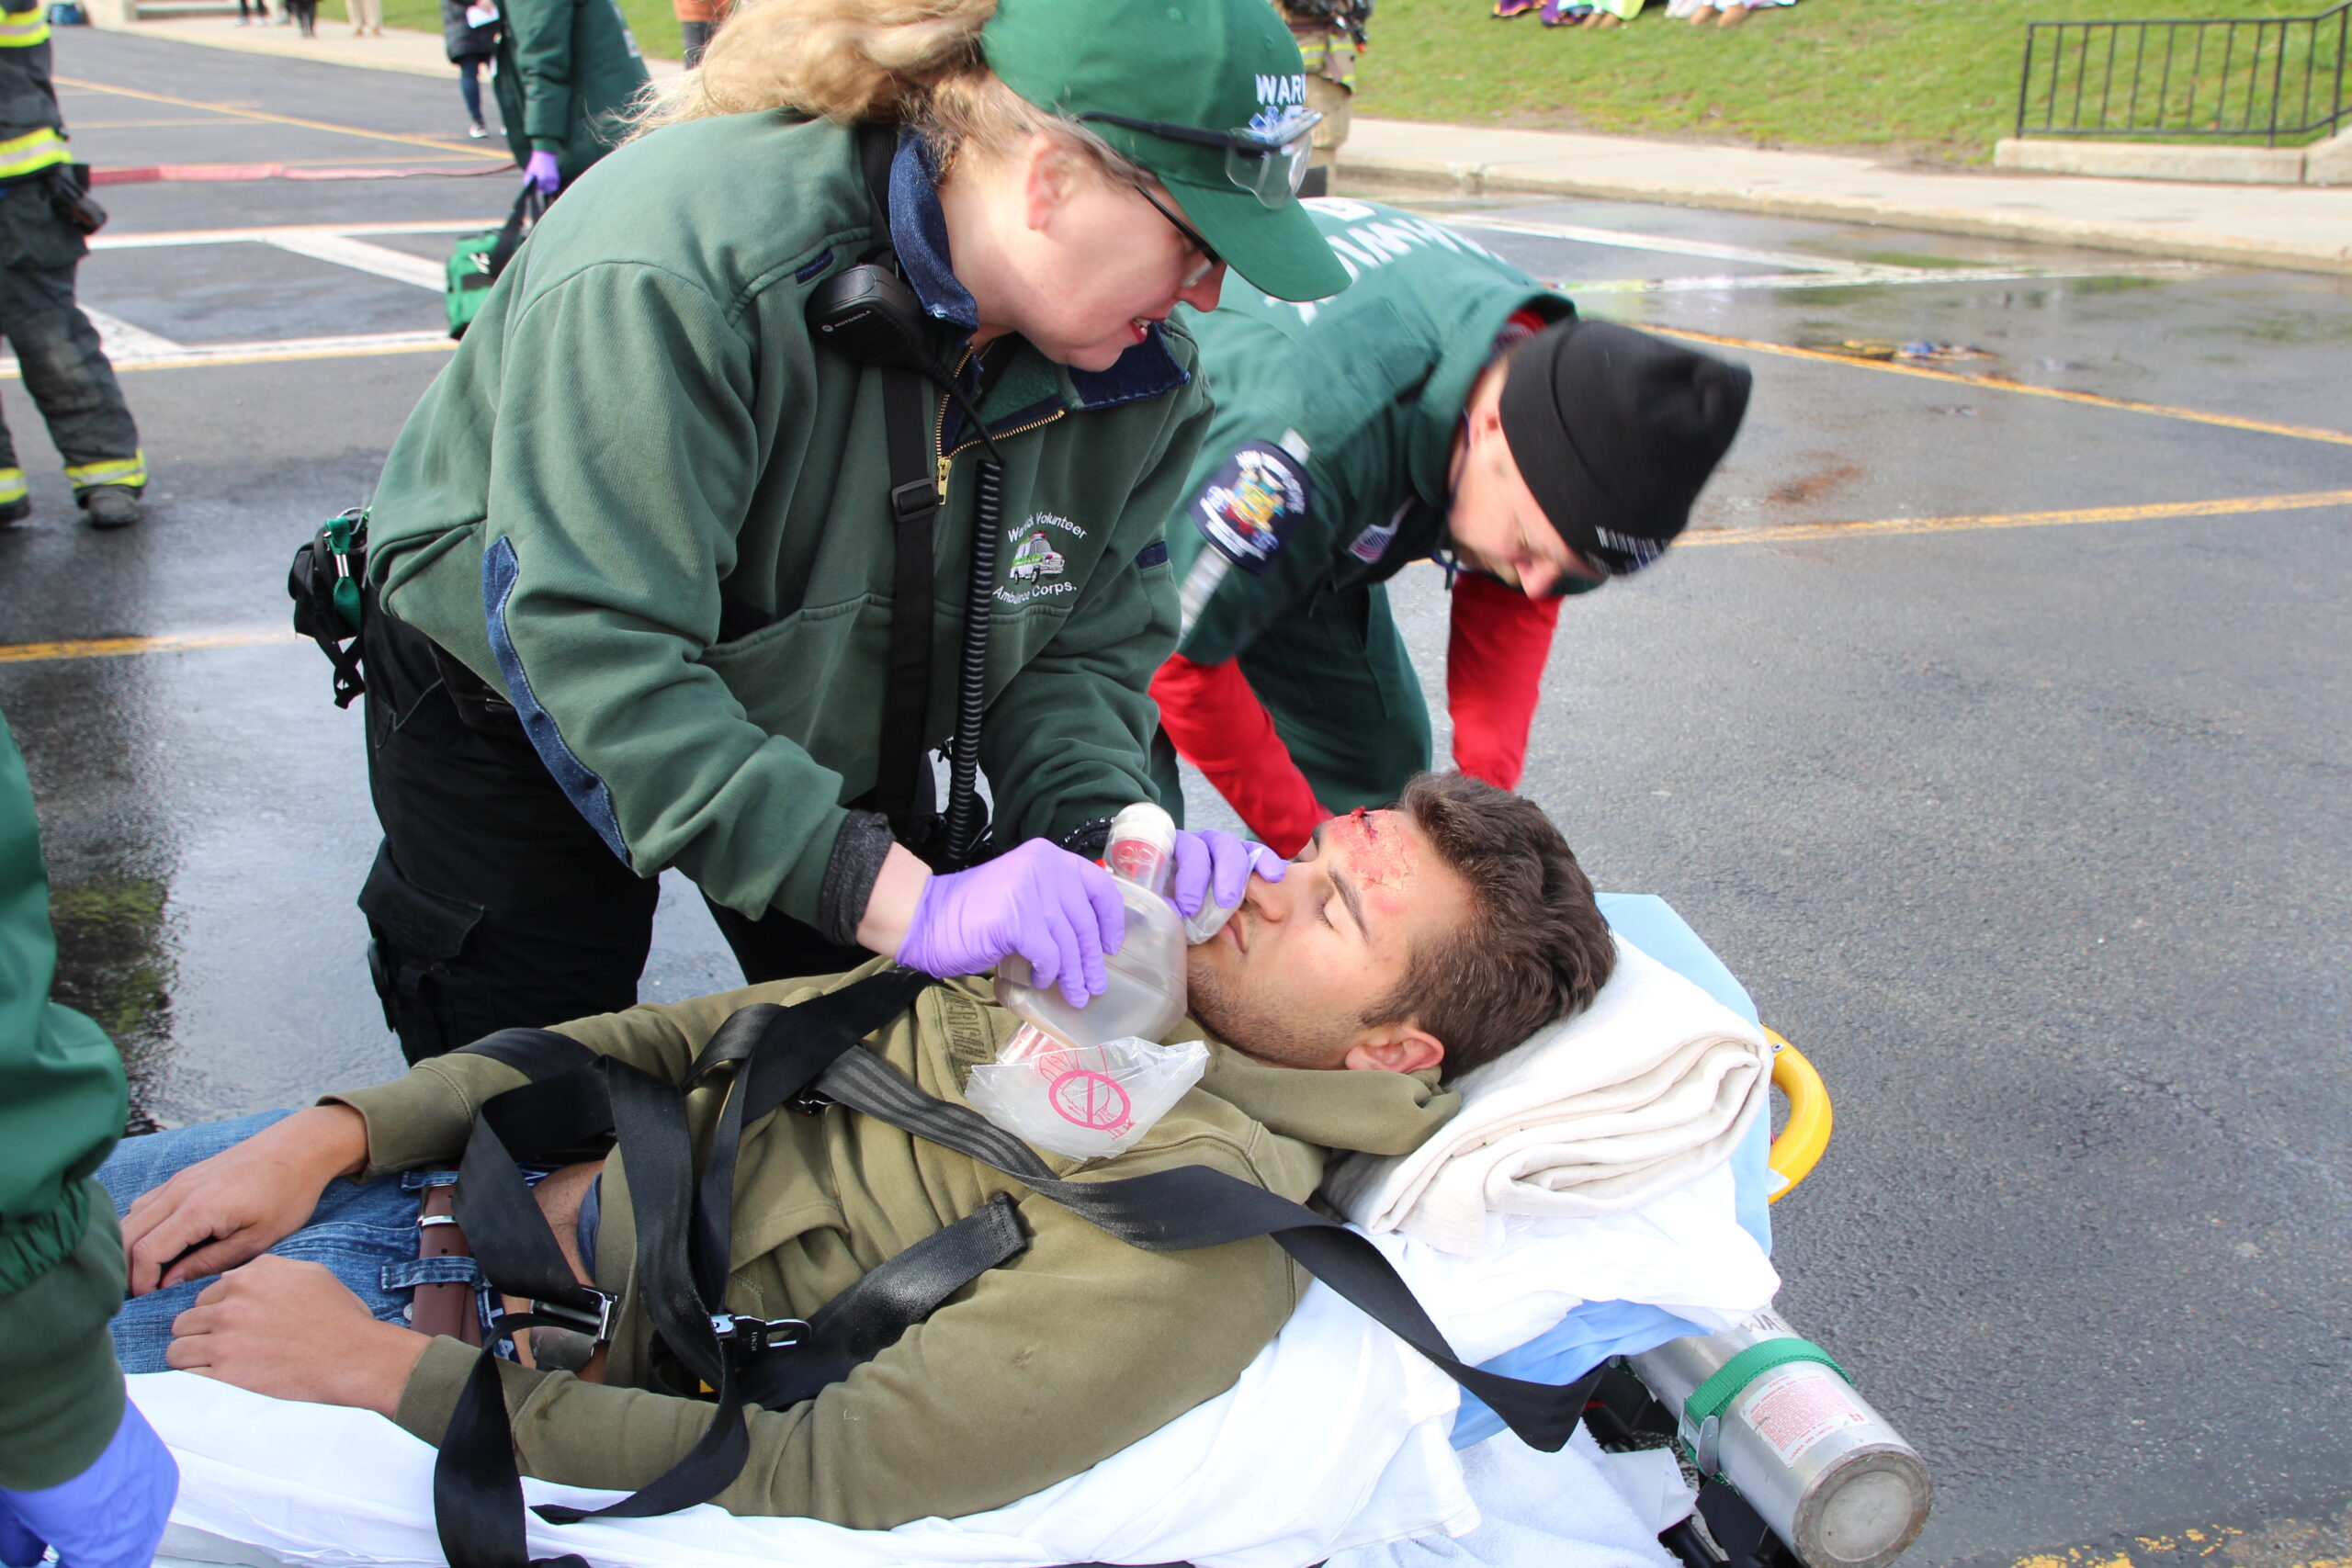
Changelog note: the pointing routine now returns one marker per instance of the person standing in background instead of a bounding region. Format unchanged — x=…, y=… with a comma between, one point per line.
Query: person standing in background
x=470, y=34
x=1330, y=36
x=568, y=71
x=44, y=219
x=80, y=1469
x=367, y=17
x=697, y=20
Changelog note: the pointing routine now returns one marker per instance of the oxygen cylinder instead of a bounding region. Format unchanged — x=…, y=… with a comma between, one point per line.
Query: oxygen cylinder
x=1821, y=1467
x=1146, y=993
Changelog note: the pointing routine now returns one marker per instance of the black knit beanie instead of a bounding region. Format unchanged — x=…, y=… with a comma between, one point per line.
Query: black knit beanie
x=1615, y=432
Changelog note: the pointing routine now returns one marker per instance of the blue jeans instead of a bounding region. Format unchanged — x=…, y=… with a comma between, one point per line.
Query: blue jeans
x=365, y=1232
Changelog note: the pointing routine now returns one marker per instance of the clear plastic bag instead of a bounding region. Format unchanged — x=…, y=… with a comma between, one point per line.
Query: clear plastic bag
x=1082, y=1101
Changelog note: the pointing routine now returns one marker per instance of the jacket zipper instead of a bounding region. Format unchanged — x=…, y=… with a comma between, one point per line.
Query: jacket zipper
x=939, y=433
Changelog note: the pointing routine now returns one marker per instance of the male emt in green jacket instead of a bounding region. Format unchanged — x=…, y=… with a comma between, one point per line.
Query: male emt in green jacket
x=568, y=71
x=41, y=244
x=80, y=1469
x=1406, y=944
x=1446, y=404
x=635, y=553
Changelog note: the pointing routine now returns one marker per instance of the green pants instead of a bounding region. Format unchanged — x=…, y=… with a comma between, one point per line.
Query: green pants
x=1344, y=699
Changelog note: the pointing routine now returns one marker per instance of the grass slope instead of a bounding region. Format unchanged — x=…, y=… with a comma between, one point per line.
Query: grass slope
x=1935, y=79
x=655, y=25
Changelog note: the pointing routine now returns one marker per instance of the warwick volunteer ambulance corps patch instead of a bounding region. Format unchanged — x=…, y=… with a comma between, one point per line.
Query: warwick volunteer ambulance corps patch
x=1252, y=504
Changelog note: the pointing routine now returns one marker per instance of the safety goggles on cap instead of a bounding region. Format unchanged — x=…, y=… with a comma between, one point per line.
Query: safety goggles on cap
x=1267, y=158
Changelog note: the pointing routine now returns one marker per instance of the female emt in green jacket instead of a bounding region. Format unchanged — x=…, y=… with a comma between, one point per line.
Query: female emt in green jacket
x=80, y=1469
x=633, y=553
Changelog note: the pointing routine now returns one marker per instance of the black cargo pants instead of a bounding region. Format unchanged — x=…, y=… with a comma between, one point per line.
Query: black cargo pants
x=492, y=903
x=64, y=370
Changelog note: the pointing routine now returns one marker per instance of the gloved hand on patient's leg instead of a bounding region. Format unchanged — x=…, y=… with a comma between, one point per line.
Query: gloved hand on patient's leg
x=1212, y=864
x=111, y=1516
x=1058, y=910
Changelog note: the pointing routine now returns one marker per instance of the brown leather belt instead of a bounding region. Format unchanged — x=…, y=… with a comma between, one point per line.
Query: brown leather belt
x=448, y=1308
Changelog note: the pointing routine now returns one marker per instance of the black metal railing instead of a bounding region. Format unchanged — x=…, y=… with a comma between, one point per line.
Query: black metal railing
x=2277, y=78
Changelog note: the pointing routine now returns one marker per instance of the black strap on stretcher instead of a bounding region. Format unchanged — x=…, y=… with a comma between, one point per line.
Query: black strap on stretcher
x=806, y=1055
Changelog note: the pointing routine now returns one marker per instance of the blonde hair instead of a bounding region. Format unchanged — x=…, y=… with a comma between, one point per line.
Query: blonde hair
x=914, y=62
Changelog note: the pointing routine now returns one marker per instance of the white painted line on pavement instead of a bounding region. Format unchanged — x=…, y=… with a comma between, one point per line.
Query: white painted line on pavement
x=1627, y=238
x=122, y=341
x=165, y=238
x=361, y=256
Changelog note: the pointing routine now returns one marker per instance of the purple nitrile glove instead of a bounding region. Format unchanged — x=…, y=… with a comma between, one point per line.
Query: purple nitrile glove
x=1212, y=864
x=1058, y=910
x=111, y=1516
x=543, y=171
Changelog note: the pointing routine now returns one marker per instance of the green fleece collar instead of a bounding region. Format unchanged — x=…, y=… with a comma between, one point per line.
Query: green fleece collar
x=1370, y=1112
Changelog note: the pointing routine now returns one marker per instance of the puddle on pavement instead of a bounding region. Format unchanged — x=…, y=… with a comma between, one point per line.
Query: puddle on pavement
x=115, y=964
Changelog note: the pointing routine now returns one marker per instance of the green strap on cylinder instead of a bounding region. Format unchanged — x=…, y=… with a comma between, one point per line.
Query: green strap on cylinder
x=1714, y=1397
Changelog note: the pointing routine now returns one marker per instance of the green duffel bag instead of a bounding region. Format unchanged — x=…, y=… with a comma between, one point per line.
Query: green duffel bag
x=475, y=264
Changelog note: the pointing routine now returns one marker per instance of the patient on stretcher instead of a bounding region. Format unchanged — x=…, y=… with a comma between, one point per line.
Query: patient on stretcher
x=1405, y=946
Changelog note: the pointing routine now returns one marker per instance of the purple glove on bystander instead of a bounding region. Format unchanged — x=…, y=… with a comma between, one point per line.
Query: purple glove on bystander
x=1058, y=910
x=543, y=171
x=1211, y=864
x=111, y=1516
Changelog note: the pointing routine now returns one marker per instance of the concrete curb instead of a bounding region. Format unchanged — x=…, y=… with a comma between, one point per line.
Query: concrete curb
x=2171, y=161
x=2299, y=229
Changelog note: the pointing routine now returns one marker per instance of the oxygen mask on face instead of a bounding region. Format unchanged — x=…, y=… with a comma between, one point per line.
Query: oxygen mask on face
x=1087, y=1082
x=1146, y=996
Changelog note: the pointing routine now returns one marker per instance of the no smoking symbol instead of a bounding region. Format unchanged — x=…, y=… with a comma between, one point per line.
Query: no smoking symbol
x=1091, y=1100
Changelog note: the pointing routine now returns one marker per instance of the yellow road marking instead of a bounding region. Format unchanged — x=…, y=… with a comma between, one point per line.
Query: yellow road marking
x=2232, y=505
x=115, y=646
x=107, y=647
x=436, y=143
x=201, y=358
x=2128, y=405
x=81, y=125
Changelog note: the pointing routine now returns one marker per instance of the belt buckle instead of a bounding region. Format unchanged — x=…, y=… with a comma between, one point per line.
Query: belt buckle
x=598, y=1324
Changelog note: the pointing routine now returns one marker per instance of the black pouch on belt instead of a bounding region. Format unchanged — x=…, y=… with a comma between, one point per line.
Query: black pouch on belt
x=328, y=583
x=69, y=195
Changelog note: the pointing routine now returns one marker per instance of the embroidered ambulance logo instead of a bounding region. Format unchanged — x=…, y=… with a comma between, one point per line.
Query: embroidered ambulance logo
x=1036, y=558
x=1255, y=500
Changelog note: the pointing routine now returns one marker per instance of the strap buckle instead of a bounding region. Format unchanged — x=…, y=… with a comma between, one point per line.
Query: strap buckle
x=752, y=1335
x=596, y=1323
x=913, y=500
x=811, y=1101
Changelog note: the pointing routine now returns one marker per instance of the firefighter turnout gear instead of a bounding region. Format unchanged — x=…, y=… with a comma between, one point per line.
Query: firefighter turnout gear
x=43, y=219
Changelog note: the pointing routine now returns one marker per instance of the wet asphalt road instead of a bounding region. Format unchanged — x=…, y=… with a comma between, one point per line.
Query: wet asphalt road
x=2035, y=837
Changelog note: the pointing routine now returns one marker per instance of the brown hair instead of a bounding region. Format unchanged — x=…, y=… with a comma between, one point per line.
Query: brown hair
x=1534, y=949
x=914, y=62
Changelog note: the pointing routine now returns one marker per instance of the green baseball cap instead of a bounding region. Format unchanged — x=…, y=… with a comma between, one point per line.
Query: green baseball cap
x=1207, y=94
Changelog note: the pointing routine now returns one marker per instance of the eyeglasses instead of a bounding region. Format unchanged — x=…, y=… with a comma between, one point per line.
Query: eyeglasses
x=1210, y=260
x=1267, y=160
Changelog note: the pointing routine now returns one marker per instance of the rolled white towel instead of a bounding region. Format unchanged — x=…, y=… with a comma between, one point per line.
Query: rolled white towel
x=1642, y=1092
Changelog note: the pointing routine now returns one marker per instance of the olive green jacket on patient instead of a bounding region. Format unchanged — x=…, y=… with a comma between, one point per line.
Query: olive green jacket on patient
x=1042, y=1367
x=645, y=504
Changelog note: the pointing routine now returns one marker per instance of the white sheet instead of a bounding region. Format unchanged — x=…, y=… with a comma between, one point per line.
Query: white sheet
x=1577, y=1508
x=1359, y=1422
x=1634, y=1096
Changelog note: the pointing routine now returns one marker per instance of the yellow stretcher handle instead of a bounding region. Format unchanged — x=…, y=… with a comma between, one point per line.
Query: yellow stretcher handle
x=1807, y=1133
